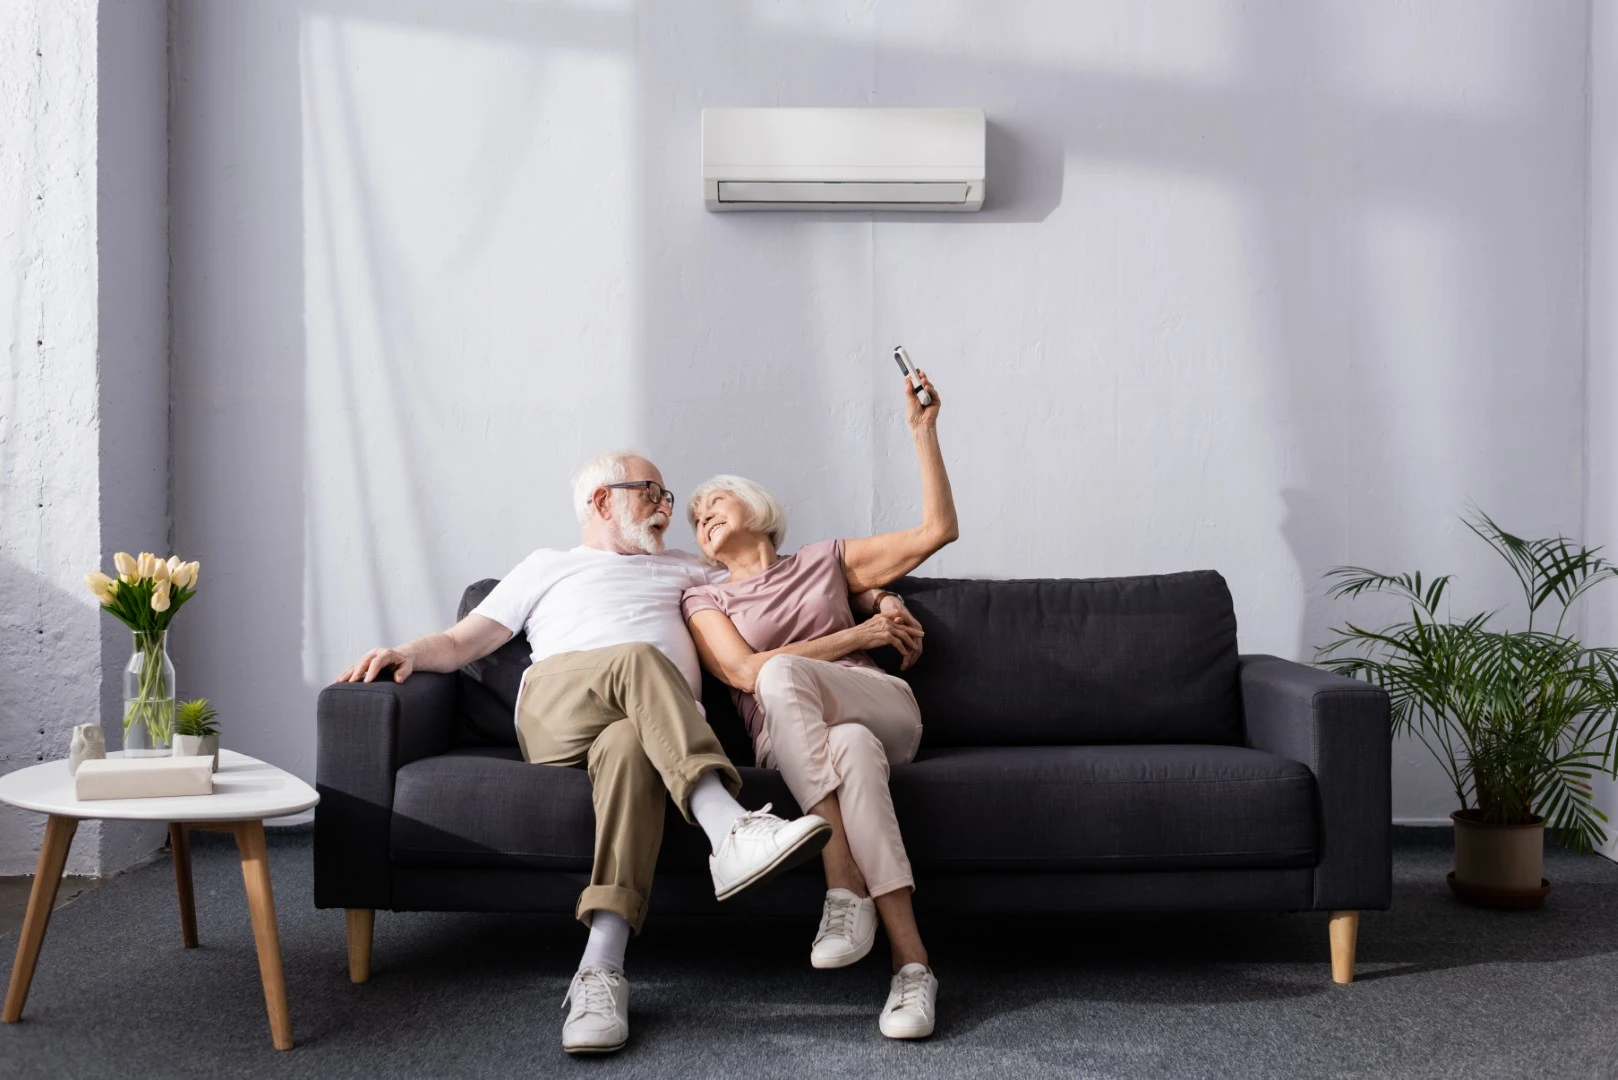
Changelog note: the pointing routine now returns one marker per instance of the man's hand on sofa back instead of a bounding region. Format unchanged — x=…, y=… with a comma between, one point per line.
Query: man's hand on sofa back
x=473, y=638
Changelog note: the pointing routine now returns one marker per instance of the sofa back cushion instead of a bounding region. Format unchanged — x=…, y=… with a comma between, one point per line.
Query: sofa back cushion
x=1053, y=662
x=1060, y=662
x=487, y=697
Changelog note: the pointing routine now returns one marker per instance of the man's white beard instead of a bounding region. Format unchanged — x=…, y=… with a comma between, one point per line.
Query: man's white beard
x=638, y=537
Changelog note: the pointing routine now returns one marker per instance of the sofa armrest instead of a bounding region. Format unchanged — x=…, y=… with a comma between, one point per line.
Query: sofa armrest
x=365, y=733
x=1339, y=728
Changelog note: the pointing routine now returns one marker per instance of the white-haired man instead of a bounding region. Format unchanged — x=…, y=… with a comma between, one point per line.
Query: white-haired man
x=613, y=686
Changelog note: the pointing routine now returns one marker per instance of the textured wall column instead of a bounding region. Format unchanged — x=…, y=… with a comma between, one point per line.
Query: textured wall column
x=84, y=388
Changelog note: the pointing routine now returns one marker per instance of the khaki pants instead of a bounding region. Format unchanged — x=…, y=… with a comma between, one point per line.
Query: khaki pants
x=627, y=714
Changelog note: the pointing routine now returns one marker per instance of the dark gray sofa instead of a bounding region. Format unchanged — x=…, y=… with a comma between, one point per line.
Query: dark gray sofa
x=1089, y=745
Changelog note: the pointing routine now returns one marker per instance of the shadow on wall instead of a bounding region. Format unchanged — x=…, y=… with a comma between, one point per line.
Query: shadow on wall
x=1455, y=170
x=50, y=682
x=238, y=434
x=50, y=666
x=1398, y=416
x=685, y=357
x=1362, y=203
x=1025, y=172
x=1313, y=527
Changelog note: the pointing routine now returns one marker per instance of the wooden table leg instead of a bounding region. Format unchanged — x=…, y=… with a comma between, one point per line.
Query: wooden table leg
x=261, y=904
x=180, y=846
x=41, y=898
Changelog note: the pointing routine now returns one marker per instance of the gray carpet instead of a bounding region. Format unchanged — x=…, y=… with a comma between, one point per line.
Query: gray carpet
x=1443, y=991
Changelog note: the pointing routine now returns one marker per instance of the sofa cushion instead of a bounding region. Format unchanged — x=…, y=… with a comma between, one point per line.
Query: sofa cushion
x=961, y=810
x=1046, y=662
x=485, y=806
x=1154, y=807
x=1070, y=662
x=487, y=696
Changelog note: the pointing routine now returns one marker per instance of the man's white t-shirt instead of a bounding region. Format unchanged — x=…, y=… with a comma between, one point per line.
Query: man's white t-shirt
x=585, y=598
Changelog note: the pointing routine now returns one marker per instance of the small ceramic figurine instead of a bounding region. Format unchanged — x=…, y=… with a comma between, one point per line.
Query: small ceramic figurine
x=88, y=742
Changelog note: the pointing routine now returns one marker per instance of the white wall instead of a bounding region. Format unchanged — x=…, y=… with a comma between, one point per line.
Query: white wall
x=1263, y=287
x=1601, y=402
x=84, y=391
x=132, y=309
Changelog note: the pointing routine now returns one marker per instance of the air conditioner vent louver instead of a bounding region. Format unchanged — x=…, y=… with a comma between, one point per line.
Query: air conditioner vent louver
x=843, y=159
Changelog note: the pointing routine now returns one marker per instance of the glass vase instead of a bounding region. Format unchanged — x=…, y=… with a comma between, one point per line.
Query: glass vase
x=149, y=698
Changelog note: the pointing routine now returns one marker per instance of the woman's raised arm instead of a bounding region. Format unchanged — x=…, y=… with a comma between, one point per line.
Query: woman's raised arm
x=873, y=561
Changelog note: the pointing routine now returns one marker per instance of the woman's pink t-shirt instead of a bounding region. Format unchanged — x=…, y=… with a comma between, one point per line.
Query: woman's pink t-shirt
x=799, y=598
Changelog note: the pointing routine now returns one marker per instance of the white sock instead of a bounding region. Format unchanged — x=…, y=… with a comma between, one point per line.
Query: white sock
x=714, y=808
x=609, y=937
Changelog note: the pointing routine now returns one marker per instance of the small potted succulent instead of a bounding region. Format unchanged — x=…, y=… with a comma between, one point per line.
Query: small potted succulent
x=196, y=734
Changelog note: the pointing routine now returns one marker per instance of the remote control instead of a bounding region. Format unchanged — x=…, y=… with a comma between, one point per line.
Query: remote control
x=903, y=359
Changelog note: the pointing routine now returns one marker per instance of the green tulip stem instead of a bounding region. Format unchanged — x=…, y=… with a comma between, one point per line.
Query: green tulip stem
x=153, y=704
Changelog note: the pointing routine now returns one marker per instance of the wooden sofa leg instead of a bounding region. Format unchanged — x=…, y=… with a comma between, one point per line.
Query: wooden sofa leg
x=361, y=922
x=1345, y=931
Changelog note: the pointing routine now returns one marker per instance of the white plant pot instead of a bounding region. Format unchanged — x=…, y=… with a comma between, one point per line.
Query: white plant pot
x=198, y=746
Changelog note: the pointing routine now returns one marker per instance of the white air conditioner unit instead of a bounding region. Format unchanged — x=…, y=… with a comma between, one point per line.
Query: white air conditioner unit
x=843, y=159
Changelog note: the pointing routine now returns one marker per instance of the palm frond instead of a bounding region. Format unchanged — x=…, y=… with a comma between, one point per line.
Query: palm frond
x=1521, y=720
x=1351, y=581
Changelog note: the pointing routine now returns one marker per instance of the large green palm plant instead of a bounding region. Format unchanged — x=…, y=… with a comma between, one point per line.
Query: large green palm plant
x=1521, y=720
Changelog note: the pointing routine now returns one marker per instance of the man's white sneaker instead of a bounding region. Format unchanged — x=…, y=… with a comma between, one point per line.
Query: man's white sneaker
x=598, y=1023
x=761, y=845
x=912, y=999
x=847, y=930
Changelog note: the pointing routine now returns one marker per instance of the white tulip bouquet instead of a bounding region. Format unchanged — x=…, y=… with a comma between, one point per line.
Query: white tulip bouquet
x=147, y=592
x=145, y=596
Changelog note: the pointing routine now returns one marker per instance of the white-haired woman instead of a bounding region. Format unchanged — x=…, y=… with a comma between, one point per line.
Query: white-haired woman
x=780, y=632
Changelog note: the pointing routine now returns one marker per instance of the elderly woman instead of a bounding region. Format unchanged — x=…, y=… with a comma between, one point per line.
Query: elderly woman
x=780, y=632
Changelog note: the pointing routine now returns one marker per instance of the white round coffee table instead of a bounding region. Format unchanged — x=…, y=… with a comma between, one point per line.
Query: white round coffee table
x=246, y=791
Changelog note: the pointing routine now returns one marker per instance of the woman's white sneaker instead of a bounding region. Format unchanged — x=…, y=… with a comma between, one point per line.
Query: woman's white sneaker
x=761, y=845
x=598, y=1023
x=912, y=1000
x=847, y=930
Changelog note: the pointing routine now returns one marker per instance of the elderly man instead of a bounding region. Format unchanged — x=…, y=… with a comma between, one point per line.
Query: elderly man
x=614, y=687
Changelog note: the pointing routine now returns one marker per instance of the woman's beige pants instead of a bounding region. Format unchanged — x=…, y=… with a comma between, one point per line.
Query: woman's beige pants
x=834, y=728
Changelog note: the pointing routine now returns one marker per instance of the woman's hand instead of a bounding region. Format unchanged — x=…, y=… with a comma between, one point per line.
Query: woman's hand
x=893, y=605
x=920, y=417
x=880, y=630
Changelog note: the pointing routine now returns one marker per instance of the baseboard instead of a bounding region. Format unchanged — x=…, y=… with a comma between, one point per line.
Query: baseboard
x=1423, y=835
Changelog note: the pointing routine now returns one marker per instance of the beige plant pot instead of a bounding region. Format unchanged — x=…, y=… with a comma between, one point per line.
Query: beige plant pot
x=1498, y=865
x=198, y=746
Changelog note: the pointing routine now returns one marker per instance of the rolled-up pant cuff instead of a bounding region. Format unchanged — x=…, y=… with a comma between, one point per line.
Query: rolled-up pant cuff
x=691, y=769
x=906, y=882
x=625, y=903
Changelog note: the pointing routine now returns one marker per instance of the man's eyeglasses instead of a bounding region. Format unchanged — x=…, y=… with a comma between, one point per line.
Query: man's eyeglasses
x=653, y=492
